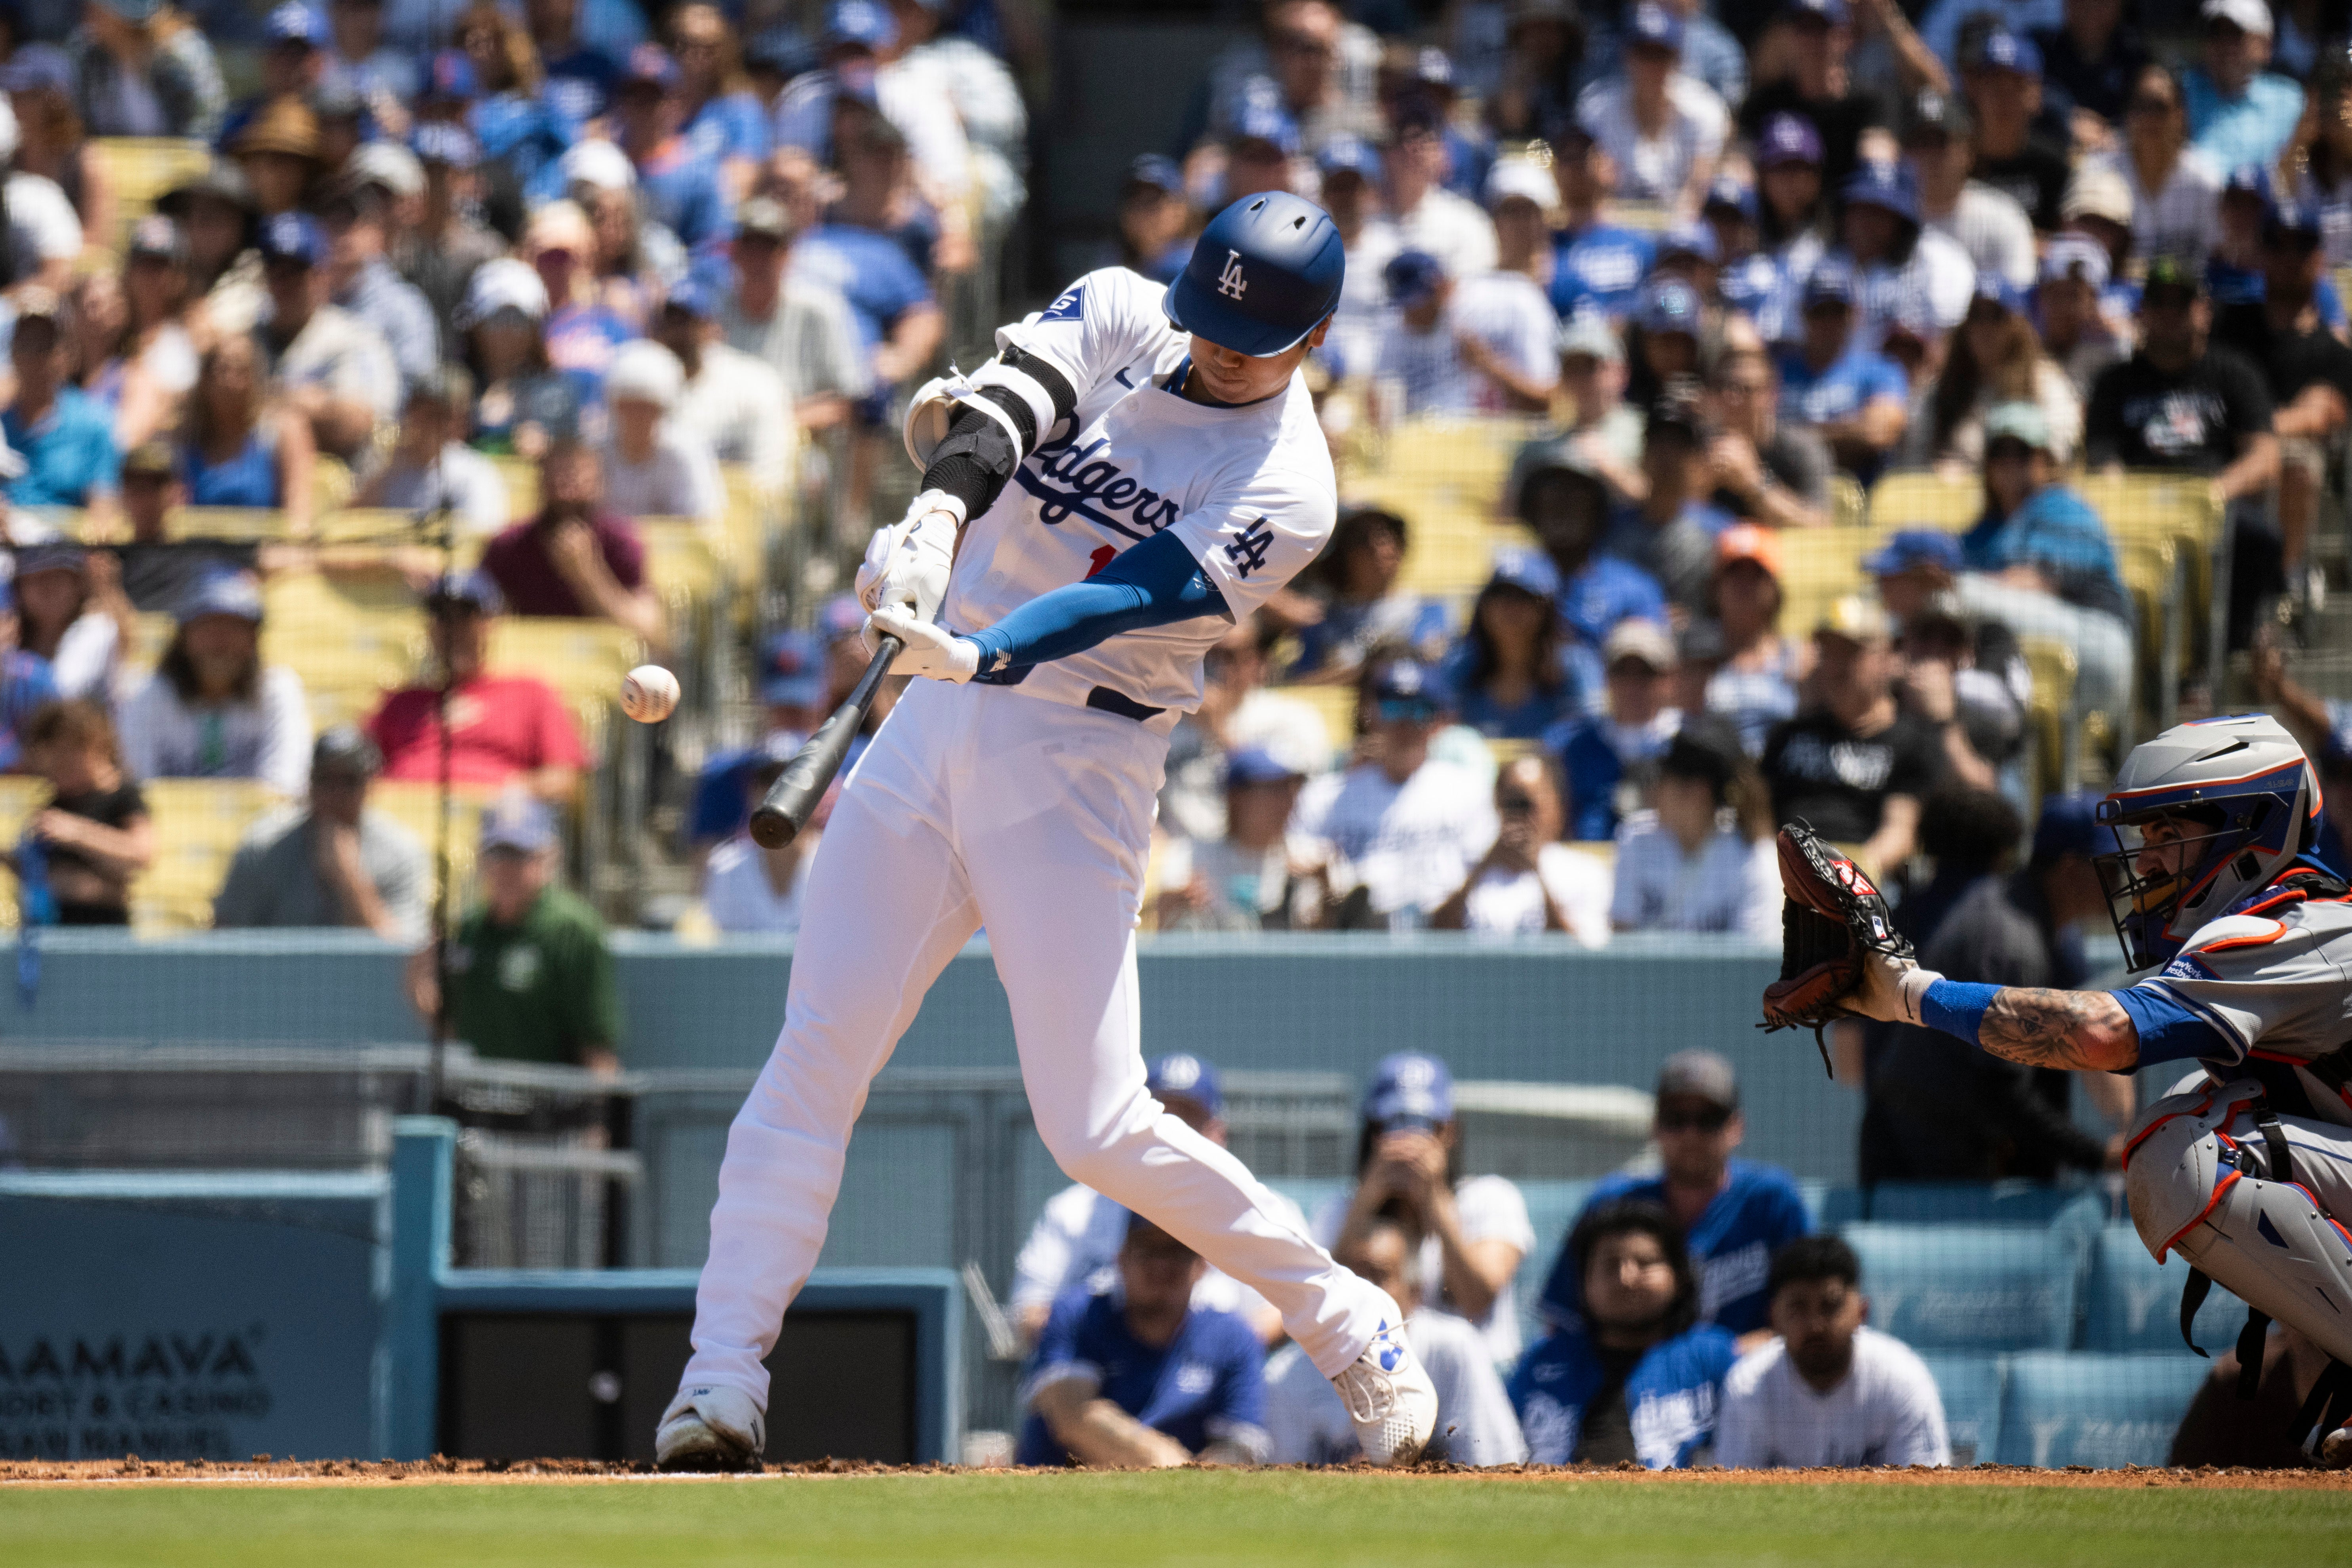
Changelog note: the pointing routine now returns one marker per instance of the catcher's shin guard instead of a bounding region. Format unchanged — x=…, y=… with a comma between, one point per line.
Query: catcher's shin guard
x=2197, y=1191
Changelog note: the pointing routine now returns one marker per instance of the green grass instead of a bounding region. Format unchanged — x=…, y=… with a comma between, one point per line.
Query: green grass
x=1131, y=1521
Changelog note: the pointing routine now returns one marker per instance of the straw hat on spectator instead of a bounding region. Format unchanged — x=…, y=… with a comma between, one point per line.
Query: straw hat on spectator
x=284, y=125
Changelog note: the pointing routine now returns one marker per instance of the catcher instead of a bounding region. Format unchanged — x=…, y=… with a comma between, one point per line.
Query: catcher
x=2246, y=1167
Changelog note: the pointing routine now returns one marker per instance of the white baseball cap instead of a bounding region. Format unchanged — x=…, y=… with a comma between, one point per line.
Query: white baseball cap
x=502, y=283
x=389, y=164
x=1519, y=177
x=2247, y=16
x=646, y=370
x=599, y=165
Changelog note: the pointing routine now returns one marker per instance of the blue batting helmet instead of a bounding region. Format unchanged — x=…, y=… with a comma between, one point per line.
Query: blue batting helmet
x=1265, y=274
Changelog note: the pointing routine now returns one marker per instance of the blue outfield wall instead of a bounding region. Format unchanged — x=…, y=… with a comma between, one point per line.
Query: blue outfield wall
x=1535, y=1009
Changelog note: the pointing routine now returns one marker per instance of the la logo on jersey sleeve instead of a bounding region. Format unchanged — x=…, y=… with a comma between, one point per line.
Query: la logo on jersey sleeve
x=1070, y=307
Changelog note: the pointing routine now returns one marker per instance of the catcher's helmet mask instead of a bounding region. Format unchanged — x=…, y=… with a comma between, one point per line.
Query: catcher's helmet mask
x=2245, y=829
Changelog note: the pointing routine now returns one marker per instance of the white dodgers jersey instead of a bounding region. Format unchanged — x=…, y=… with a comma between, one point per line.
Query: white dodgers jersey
x=1249, y=490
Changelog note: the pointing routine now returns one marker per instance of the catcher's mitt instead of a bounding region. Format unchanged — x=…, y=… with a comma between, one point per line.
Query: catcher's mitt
x=1833, y=916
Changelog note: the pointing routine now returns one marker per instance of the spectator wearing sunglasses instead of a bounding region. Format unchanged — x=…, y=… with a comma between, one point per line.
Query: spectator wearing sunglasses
x=1394, y=834
x=1528, y=881
x=1734, y=1214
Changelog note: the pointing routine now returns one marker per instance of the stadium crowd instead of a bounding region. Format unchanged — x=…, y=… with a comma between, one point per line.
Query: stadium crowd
x=571, y=276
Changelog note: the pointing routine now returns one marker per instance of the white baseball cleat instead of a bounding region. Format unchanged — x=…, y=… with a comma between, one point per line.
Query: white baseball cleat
x=710, y=1427
x=1389, y=1398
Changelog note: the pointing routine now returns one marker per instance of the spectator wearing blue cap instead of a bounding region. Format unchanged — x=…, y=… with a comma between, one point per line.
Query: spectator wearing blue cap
x=1760, y=470
x=2238, y=113
x=144, y=70
x=1597, y=265
x=1466, y=345
x=439, y=251
x=861, y=47
x=51, y=145
x=1995, y=358
x=579, y=60
x=1854, y=398
x=506, y=730
x=1077, y=1235
x=325, y=363
x=1709, y=54
x=682, y=189
x=1663, y=131
x=384, y=76
x=1393, y=836
x=2040, y=561
x=1791, y=210
x=749, y=889
x=2233, y=269
x=213, y=709
x=1354, y=580
x=1940, y=1115
x=795, y=687
x=292, y=62
x=1428, y=216
x=1900, y=265
x=499, y=82
x=1528, y=882
x=1670, y=532
x=2013, y=154
x=2307, y=369
x=1662, y=338
x=1261, y=147
x=60, y=438
x=1508, y=671
x=531, y=978
x=1154, y=214
x=1610, y=758
x=1238, y=879
x=1475, y=1229
x=1747, y=278
x=1988, y=226
x=1836, y=103
x=1130, y=1372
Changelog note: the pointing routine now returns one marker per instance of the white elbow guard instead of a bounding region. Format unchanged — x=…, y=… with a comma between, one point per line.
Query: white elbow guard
x=933, y=408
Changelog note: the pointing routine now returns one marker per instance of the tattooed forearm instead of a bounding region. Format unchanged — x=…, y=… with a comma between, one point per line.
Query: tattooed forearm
x=2081, y=1029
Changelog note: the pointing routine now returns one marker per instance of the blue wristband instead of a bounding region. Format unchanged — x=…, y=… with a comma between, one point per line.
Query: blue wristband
x=1957, y=1007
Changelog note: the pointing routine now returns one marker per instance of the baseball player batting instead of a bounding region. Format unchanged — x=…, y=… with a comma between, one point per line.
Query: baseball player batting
x=2243, y=1169
x=1134, y=471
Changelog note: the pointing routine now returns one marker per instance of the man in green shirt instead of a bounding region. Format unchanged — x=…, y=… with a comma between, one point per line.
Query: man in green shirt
x=530, y=977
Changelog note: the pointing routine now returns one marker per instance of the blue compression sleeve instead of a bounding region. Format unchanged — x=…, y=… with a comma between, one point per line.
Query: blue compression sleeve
x=1155, y=584
x=2170, y=1031
x=1957, y=1007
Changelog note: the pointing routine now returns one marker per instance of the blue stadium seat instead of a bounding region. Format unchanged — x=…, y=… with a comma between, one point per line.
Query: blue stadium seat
x=1972, y=1386
x=2133, y=1302
x=1980, y=1288
x=1984, y=1203
x=2104, y=1411
x=1835, y=1208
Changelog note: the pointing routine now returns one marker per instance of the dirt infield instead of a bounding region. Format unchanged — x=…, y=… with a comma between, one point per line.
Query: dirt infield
x=264, y=1469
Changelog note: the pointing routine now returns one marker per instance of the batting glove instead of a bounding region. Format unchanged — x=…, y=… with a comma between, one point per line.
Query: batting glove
x=908, y=562
x=930, y=652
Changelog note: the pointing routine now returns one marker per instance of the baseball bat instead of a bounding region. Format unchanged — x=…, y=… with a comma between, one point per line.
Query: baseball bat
x=785, y=810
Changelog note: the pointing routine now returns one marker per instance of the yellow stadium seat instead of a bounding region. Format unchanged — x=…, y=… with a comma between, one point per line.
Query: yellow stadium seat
x=521, y=475
x=583, y=660
x=1337, y=704
x=1926, y=497
x=140, y=169
x=225, y=522
x=1849, y=508
x=680, y=560
x=2057, y=762
x=198, y=824
x=415, y=805
x=20, y=796
x=1821, y=566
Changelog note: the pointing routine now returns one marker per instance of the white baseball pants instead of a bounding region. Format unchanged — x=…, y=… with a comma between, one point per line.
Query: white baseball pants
x=976, y=805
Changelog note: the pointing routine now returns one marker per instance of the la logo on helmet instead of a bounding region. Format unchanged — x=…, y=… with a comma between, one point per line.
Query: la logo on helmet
x=1230, y=282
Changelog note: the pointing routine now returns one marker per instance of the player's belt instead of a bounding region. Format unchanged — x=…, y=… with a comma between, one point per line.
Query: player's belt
x=1119, y=702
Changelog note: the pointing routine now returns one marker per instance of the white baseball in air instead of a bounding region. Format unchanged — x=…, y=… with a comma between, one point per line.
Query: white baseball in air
x=648, y=694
